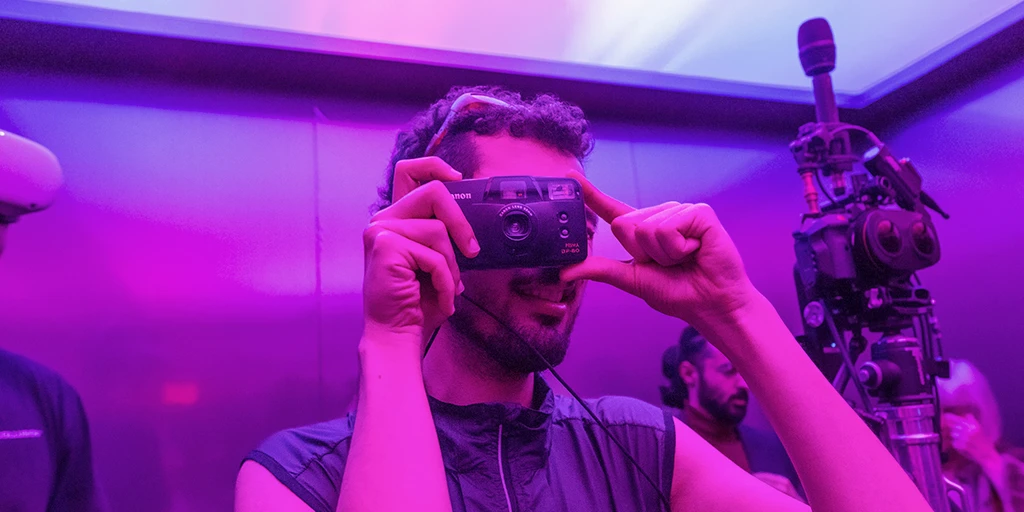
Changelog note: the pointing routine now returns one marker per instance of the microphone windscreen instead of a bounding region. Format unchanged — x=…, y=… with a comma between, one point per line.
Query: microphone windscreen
x=817, y=47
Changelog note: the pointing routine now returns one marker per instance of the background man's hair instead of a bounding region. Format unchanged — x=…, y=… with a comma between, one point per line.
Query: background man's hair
x=545, y=118
x=691, y=347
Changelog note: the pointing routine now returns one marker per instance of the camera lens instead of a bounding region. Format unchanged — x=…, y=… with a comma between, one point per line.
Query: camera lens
x=889, y=237
x=923, y=238
x=516, y=226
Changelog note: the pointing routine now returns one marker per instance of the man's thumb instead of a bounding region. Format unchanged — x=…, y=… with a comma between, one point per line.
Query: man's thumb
x=619, y=274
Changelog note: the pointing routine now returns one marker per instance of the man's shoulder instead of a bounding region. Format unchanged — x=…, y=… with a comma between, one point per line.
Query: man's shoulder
x=295, y=448
x=613, y=410
x=637, y=433
x=22, y=373
x=309, y=460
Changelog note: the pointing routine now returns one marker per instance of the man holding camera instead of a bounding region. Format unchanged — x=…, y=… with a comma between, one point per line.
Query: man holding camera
x=471, y=426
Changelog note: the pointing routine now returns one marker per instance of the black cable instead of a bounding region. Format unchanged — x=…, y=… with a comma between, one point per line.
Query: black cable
x=583, y=404
x=431, y=341
x=854, y=128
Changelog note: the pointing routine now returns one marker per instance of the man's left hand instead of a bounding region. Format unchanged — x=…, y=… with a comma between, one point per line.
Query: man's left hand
x=684, y=263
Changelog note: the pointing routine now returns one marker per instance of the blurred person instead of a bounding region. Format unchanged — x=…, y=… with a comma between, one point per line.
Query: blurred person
x=709, y=395
x=974, y=452
x=45, y=450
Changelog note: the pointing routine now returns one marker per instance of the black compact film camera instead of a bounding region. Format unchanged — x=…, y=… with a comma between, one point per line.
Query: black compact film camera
x=523, y=221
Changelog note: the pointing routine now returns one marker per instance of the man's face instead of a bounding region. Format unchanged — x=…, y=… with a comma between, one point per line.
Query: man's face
x=534, y=303
x=721, y=391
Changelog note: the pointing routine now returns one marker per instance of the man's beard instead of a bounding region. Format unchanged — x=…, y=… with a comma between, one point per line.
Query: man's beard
x=502, y=345
x=721, y=410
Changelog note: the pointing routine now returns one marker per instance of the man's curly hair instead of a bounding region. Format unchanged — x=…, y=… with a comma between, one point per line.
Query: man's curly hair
x=546, y=119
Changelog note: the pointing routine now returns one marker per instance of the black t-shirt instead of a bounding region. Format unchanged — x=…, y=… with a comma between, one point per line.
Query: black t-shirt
x=45, y=451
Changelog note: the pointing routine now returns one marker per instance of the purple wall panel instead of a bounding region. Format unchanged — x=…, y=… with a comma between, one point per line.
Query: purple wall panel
x=172, y=282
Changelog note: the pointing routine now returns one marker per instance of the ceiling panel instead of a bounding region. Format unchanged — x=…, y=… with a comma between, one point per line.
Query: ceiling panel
x=738, y=47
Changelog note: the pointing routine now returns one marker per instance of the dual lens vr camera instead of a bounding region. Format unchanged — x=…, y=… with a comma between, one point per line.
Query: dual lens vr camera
x=523, y=221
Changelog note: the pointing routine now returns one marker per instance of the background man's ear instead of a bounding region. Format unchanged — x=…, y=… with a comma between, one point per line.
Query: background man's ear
x=688, y=372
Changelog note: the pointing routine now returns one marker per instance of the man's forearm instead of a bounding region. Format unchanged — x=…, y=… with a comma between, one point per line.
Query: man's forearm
x=394, y=462
x=841, y=464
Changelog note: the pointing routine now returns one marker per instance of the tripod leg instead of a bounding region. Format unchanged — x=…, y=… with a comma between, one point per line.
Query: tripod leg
x=955, y=488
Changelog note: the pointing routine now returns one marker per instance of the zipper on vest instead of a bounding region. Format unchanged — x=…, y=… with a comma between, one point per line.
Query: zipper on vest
x=503, y=472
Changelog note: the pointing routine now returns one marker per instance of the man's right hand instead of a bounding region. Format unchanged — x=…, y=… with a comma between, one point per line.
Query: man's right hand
x=410, y=274
x=409, y=285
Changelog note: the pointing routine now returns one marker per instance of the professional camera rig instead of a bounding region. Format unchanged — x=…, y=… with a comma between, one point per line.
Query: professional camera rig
x=857, y=255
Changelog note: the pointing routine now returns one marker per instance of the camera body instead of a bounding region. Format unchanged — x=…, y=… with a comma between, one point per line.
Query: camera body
x=859, y=263
x=523, y=221
x=867, y=247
